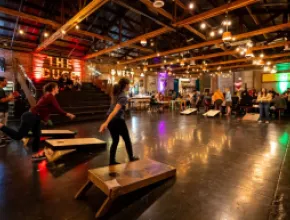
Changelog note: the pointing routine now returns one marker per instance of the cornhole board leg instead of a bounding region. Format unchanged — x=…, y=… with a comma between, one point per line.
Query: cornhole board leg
x=52, y=155
x=84, y=189
x=105, y=207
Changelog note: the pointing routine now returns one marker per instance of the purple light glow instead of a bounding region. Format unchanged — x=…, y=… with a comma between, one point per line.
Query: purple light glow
x=161, y=127
x=162, y=81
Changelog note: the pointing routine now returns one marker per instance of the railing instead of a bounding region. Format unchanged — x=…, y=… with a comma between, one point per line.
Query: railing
x=25, y=82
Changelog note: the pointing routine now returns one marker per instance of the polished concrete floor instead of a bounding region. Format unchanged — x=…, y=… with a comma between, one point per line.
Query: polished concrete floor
x=226, y=169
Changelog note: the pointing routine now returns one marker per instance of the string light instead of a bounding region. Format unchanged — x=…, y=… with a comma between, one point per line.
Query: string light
x=262, y=55
x=63, y=31
x=212, y=34
x=221, y=31
x=191, y=5
x=77, y=27
x=269, y=63
x=203, y=25
x=45, y=34
x=21, y=31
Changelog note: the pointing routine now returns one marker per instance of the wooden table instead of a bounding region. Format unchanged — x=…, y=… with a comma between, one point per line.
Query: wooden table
x=122, y=179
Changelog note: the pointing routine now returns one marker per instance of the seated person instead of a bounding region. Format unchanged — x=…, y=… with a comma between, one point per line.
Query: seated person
x=65, y=82
x=77, y=84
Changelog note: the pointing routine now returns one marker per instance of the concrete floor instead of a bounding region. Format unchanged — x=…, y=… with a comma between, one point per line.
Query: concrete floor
x=226, y=169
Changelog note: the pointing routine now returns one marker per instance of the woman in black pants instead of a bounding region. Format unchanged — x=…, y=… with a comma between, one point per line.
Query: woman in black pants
x=31, y=121
x=116, y=121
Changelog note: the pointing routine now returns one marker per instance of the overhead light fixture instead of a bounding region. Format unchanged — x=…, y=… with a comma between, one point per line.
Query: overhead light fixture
x=249, y=53
x=158, y=54
x=158, y=3
x=142, y=75
x=221, y=31
x=45, y=34
x=192, y=63
x=182, y=63
x=77, y=27
x=191, y=5
x=143, y=42
x=203, y=25
x=227, y=36
x=21, y=31
x=237, y=49
x=145, y=69
x=212, y=34
x=262, y=55
x=63, y=31
x=269, y=63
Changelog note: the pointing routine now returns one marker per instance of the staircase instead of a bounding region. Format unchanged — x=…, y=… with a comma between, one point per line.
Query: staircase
x=88, y=104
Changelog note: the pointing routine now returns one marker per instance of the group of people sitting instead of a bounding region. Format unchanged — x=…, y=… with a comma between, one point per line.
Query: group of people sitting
x=65, y=83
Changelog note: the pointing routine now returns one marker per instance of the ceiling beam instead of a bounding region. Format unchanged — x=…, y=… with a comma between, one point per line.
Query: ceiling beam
x=216, y=11
x=129, y=42
x=213, y=42
x=256, y=20
x=81, y=15
x=166, y=14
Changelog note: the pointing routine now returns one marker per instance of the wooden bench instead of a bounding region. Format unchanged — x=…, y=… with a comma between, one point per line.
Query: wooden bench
x=56, y=148
x=121, y=179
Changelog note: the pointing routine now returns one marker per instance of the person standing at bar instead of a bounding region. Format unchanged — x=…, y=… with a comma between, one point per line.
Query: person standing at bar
x=264, y=99
x=31, y=120
x=116, y=121
x=4, y=100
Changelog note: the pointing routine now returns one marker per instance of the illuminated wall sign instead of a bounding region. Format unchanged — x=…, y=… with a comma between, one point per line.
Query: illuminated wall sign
x=278, y=77
x=51, y=68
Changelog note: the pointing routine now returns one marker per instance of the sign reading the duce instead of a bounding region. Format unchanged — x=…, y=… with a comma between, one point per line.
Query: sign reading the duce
x=51, y=68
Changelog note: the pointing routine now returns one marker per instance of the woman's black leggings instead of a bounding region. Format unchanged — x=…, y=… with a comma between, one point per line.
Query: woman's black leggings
x=117, y=128
x=29, y=122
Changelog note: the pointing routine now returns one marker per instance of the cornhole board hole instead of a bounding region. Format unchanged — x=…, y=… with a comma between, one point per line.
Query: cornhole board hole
x=56, y=148
x=251, y=117
x=188, y=111
x=211, y=113
x=121, y=179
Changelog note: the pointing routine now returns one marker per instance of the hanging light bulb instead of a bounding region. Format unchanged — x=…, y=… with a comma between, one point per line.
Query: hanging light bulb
x=262, y=55
x=158, y=54
x=269, y=63
x=77, y=27
x=221, y=31
x=45, y=34
x=143, y=42
x=191, y=5
x=237, y=49
x=182, y=63
x=203, y=25
x=142, y=75
x=145, y=69
x=212, y=34
x=21, y=31
x=63, y=32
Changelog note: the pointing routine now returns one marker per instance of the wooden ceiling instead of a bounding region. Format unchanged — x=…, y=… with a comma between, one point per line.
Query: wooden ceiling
x=111, y=30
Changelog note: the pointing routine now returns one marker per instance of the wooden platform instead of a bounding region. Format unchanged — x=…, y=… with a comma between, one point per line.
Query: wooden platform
x=121, y=179
x=251, y=117
x=211, y=113
x=57, y=133
x=188, y=111
x=57, y=148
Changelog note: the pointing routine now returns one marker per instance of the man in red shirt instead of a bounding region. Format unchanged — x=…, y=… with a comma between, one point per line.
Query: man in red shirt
x=31, y=121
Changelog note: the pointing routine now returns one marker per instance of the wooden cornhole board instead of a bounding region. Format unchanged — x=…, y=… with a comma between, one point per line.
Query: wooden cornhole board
x=121, y=179
x=211, y=113
x=188, y=111
x=57, y=133
x=56, y=148
x=251, y=117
